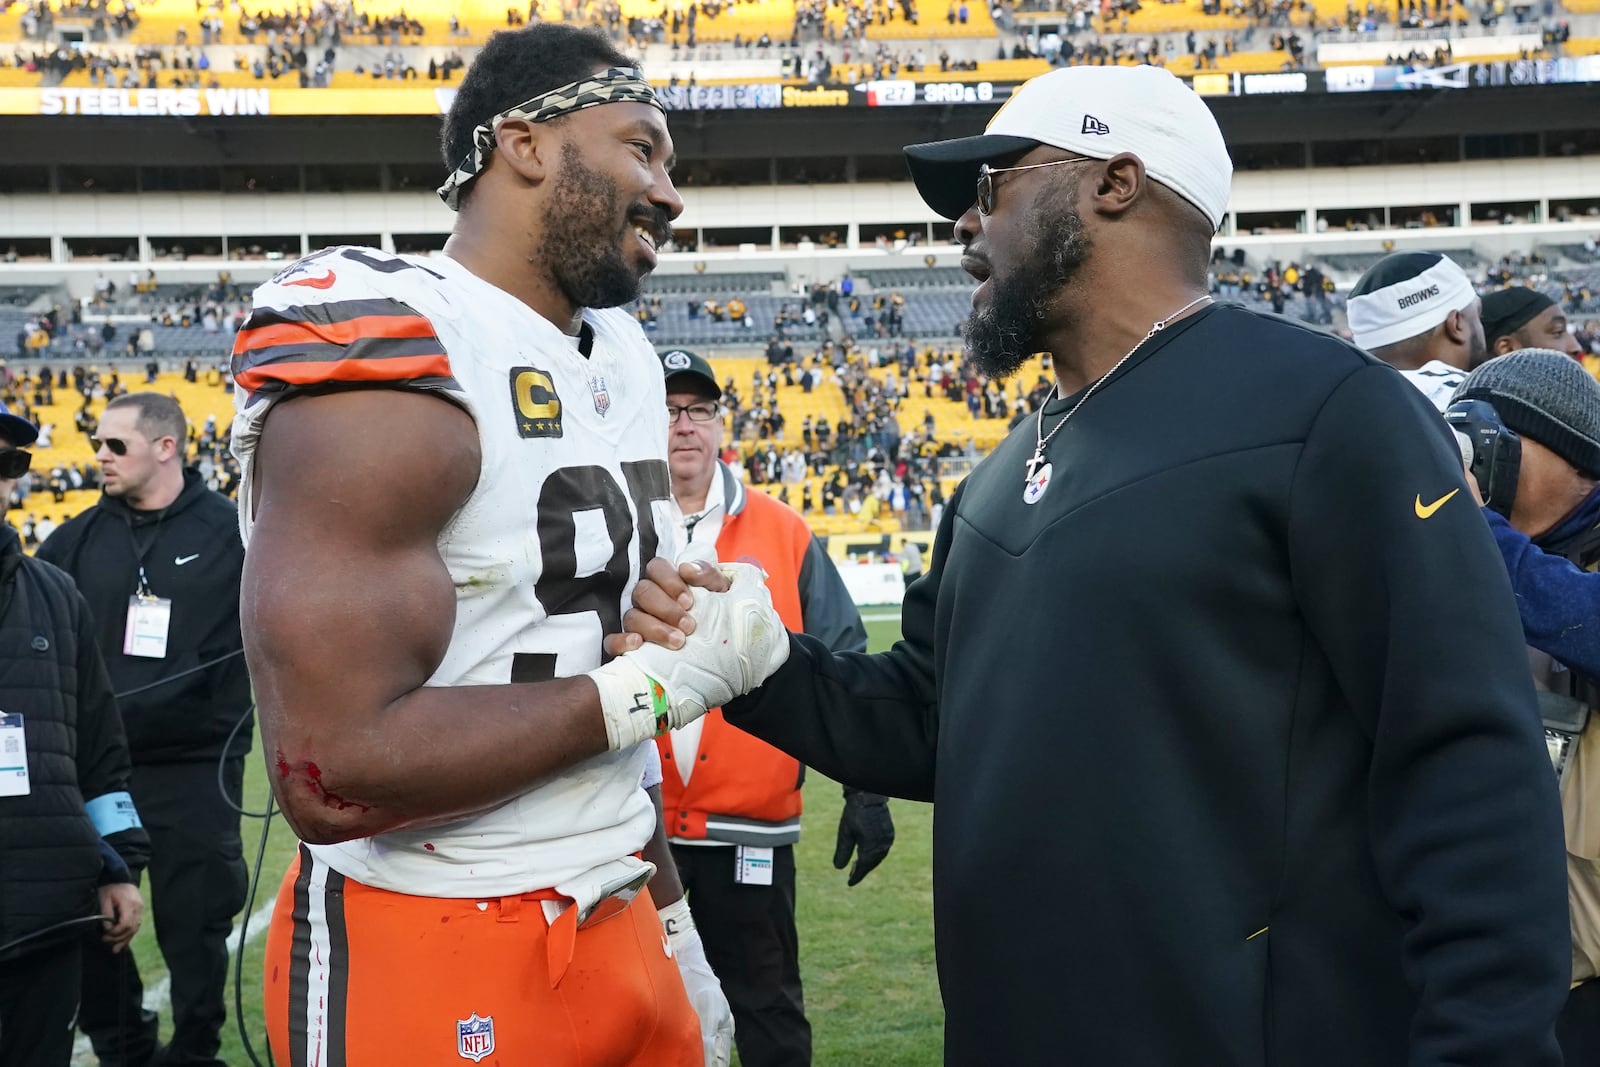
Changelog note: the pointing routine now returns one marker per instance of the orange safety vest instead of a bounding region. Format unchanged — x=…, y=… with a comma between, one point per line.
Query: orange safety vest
x=743, y=790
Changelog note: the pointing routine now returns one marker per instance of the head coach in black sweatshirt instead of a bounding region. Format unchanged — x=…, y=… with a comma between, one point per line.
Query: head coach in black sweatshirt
x=1216, y=679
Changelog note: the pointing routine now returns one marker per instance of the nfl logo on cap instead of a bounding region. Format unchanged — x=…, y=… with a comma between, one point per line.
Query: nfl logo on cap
x=475, y=1037
x=675, y=361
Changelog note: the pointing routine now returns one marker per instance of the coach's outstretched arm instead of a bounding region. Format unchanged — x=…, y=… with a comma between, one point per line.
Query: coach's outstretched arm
x=867, y=721
x=342, y=640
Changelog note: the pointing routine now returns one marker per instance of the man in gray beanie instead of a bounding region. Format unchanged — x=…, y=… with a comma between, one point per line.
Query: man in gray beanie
x=1551, y=545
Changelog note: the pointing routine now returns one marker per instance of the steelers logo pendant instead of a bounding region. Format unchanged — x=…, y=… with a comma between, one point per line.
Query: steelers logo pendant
x=1038, y=482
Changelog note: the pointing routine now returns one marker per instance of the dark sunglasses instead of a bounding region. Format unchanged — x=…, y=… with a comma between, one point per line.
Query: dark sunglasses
x=118, y=446
x=986, y=175
x=14, y=462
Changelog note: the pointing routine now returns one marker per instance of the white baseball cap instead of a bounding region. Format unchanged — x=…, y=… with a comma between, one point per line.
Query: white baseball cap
x=1405, y=294
x=1096, y=112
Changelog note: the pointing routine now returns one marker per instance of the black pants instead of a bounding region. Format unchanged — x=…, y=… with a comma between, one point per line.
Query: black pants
x=751, y=943
x=197, y=886
x=38, y=1001
x=1578, y=1028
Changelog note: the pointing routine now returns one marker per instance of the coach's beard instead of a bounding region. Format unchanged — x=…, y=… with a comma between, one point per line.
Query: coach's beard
x=1004, y=335
x=582, y=247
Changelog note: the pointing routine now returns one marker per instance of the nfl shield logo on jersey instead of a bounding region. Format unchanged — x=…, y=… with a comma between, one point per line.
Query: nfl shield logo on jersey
x=602, y=396
x=475, y=1037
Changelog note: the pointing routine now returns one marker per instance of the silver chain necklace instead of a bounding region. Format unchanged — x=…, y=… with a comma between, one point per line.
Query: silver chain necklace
x=1041, y=438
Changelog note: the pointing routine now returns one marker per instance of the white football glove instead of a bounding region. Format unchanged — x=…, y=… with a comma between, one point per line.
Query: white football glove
x=705, y=992
x=738, y=642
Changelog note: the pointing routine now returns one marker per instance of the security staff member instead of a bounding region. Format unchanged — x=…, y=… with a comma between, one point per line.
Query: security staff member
x=70, y=838
x=159, y=559
x=1518, y=318
x=732, y=803
x=1551, y=545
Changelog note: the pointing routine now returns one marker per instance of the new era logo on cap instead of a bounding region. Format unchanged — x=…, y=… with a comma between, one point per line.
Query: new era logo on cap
x=1094, y=125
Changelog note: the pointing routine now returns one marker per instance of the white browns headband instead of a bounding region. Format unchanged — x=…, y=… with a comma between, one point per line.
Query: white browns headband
x=612, y=86
x=1406, y=309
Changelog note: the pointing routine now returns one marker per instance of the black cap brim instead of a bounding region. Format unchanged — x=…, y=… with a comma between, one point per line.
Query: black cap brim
x=946, y=172
x=693, y=381
x=17, y=431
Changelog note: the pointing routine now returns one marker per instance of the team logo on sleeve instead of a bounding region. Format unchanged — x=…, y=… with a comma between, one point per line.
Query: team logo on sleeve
x=475, y=1037
x=534, y=400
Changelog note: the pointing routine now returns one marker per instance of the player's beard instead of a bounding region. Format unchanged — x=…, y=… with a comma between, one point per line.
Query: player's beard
x=1004, y=334
x=584, y=227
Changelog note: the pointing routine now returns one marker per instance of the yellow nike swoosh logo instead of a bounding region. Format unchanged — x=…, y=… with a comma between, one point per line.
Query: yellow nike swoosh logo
x=1425, y=511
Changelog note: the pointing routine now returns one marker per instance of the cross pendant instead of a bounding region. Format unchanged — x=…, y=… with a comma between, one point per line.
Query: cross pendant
x=1036, y=462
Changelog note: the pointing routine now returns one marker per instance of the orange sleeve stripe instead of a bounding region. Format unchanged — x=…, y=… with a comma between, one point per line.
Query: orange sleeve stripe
x=392, y=369
x=335, y=333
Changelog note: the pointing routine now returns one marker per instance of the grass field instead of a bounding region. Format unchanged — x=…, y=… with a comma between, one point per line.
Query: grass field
x=866, y=953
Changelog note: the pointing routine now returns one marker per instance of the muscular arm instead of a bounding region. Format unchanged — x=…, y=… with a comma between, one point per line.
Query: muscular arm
x=347, y=610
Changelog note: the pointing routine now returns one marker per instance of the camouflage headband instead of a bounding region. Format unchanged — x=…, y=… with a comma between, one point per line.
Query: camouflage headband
x=612, y=86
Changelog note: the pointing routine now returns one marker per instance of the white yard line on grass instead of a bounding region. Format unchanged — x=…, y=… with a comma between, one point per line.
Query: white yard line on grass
x=156, y=996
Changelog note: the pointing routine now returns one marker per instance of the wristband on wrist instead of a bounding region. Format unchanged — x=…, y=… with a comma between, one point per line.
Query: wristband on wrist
x=676, y=918
x=659, y=707
x=634, y=703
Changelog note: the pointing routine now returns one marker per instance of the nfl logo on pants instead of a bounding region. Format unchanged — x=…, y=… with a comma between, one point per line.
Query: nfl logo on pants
x=475, y=1037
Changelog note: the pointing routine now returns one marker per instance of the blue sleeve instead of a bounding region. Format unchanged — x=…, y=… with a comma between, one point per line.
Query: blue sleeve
x=113, y=870
x=1559, y=602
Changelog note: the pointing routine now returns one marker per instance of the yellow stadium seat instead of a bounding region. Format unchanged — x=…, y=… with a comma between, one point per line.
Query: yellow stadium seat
x=1239, y=62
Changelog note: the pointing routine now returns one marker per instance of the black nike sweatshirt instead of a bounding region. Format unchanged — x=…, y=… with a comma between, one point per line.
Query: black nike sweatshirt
x=193, y=557
x=1234, y=753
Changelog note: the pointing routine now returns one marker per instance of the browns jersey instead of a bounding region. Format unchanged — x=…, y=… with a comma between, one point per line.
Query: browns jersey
x=570, y=503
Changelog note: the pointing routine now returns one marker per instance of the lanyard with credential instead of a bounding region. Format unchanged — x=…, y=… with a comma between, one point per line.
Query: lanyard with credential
x=149, y=616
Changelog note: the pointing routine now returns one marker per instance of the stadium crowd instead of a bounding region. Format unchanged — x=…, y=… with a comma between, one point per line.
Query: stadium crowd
x=824, y=44
x=27, y=393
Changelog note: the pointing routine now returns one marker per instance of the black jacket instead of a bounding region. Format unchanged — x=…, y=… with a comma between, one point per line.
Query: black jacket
x=193, y=557
x=51, y=856
x=1234, y=750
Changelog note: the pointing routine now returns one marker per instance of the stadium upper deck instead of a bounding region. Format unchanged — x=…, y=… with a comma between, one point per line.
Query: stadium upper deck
x=454, y=22
x=386, y=43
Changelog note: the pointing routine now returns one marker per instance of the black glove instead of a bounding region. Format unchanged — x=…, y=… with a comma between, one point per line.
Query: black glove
x=866, y=829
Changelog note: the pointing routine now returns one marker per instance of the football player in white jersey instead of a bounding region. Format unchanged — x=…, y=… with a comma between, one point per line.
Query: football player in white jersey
x=1418, y=312
x=453, y=473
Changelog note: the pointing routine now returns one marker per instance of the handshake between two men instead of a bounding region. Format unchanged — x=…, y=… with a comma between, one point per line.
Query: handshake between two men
x=698, y=635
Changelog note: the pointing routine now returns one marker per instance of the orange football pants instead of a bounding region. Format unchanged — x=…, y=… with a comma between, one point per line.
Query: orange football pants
x=362, y=977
